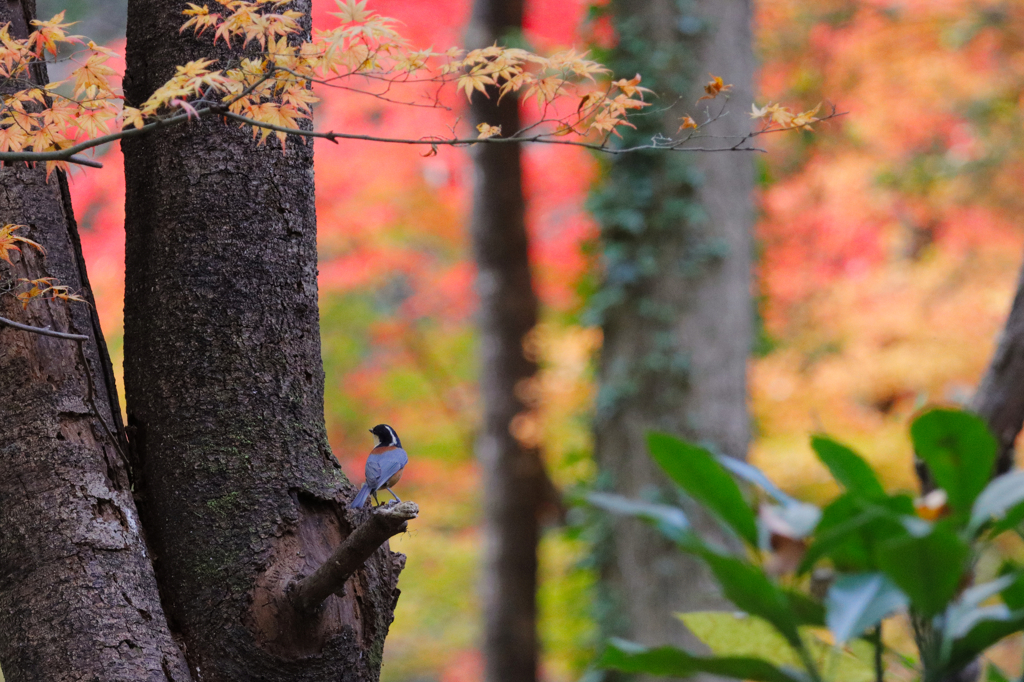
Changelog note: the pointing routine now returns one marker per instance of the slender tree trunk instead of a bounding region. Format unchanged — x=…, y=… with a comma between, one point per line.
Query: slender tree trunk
x=515, y=482
x=78, y=598
x=675, y=304
x=1000, y=397
x=224, y=382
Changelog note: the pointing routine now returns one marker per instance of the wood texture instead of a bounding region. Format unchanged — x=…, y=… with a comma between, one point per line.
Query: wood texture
x=78, y=598
x=224, y=384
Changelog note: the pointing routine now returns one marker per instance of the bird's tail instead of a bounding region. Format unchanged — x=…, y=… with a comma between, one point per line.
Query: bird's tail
x=360, y=500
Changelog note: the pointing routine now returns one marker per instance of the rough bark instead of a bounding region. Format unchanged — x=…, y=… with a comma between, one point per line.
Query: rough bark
x=514, y=478
x=78, y=597
x=675, y=303
x=224, y=382
x=1000, y=396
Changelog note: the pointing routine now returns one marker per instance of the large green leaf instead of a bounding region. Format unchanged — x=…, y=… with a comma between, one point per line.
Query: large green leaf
x=671, y=521
x=671, y=662
x=747, y=586
x=857, y=602
x=996, y=501
x=695, y=470
x=732, y=634
x=851, y=526
x=847, y=467
x=928, y=568
x=959, y=451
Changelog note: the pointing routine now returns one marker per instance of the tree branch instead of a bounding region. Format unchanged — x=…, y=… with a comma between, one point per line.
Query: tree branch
x=384, y=522
x=45, y=331
x=465, y=142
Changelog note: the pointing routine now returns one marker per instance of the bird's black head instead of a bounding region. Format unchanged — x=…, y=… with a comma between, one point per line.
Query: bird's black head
x=385, y=435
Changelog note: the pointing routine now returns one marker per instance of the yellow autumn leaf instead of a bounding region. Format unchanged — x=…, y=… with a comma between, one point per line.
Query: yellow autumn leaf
x=474, y=80
x=487, y=130
x=130, y=116
x=9, y=241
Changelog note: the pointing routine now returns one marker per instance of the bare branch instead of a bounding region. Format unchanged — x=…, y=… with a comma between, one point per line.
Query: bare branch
x=465, y=142
x=384, y=522
x=45, y=331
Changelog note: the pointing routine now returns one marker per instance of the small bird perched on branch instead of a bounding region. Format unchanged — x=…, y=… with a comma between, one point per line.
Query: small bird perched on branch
x=384, y=465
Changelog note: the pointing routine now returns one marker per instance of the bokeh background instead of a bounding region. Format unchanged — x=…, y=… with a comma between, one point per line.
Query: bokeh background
x=889, y=242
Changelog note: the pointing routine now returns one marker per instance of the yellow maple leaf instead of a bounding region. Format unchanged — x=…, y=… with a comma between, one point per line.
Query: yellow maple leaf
x=487, y=130
x=91, y=77
x=130, y=116
x=806, y=118
x=631, y=87
x=48, y=34
x=12, y=137
x=474, y=80
x=9, y=241
x=201, y=19
x=93, y=120
x=352, y=11
x=714, y=87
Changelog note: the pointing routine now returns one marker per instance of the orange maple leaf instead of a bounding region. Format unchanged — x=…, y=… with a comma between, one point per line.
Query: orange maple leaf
x=714, y=87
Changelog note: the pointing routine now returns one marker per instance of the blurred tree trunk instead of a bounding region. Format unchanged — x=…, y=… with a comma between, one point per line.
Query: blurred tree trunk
x=514, y=478
x=675, y=304
x=1000, y=397
x=78, y=598
x=238, y=487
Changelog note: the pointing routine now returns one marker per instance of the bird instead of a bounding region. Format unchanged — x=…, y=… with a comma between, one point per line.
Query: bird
x=384, y=465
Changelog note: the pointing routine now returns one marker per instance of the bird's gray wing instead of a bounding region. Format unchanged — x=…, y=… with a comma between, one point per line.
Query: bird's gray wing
x=372, y=472
x=390, y=464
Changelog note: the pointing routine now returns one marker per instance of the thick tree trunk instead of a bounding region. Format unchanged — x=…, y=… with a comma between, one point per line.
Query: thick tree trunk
x=1000, y=397
x=515, y=482
x=78, y=598
x=675, y=304
x=240, y=491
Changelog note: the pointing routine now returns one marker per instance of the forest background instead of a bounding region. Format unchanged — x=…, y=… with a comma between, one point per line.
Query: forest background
x=888, y=253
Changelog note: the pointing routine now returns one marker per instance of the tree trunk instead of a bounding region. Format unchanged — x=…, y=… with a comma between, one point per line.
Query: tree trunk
x=514, y=478
x=78, y=598
x=1000, y=397
x=239, y=489
x=675, y=303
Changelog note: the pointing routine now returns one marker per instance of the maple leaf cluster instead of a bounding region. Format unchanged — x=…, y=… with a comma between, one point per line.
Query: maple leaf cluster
x=45, y=287
x=270, y=90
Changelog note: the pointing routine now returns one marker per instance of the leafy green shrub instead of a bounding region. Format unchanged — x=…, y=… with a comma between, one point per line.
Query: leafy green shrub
x=883, y=554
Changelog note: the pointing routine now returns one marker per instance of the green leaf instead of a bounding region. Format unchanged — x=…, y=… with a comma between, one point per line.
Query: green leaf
x=999, y=497
x=852, y=526
x=807, y=610
x=732, y=634
x=928, y=568
x=671, y=662
x=695, y=470
x=1013, y=594
x=989, y=625
x=669, y=520
x=959, y=451
x=747, y=586
x=848, y=468
x=857, y=602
